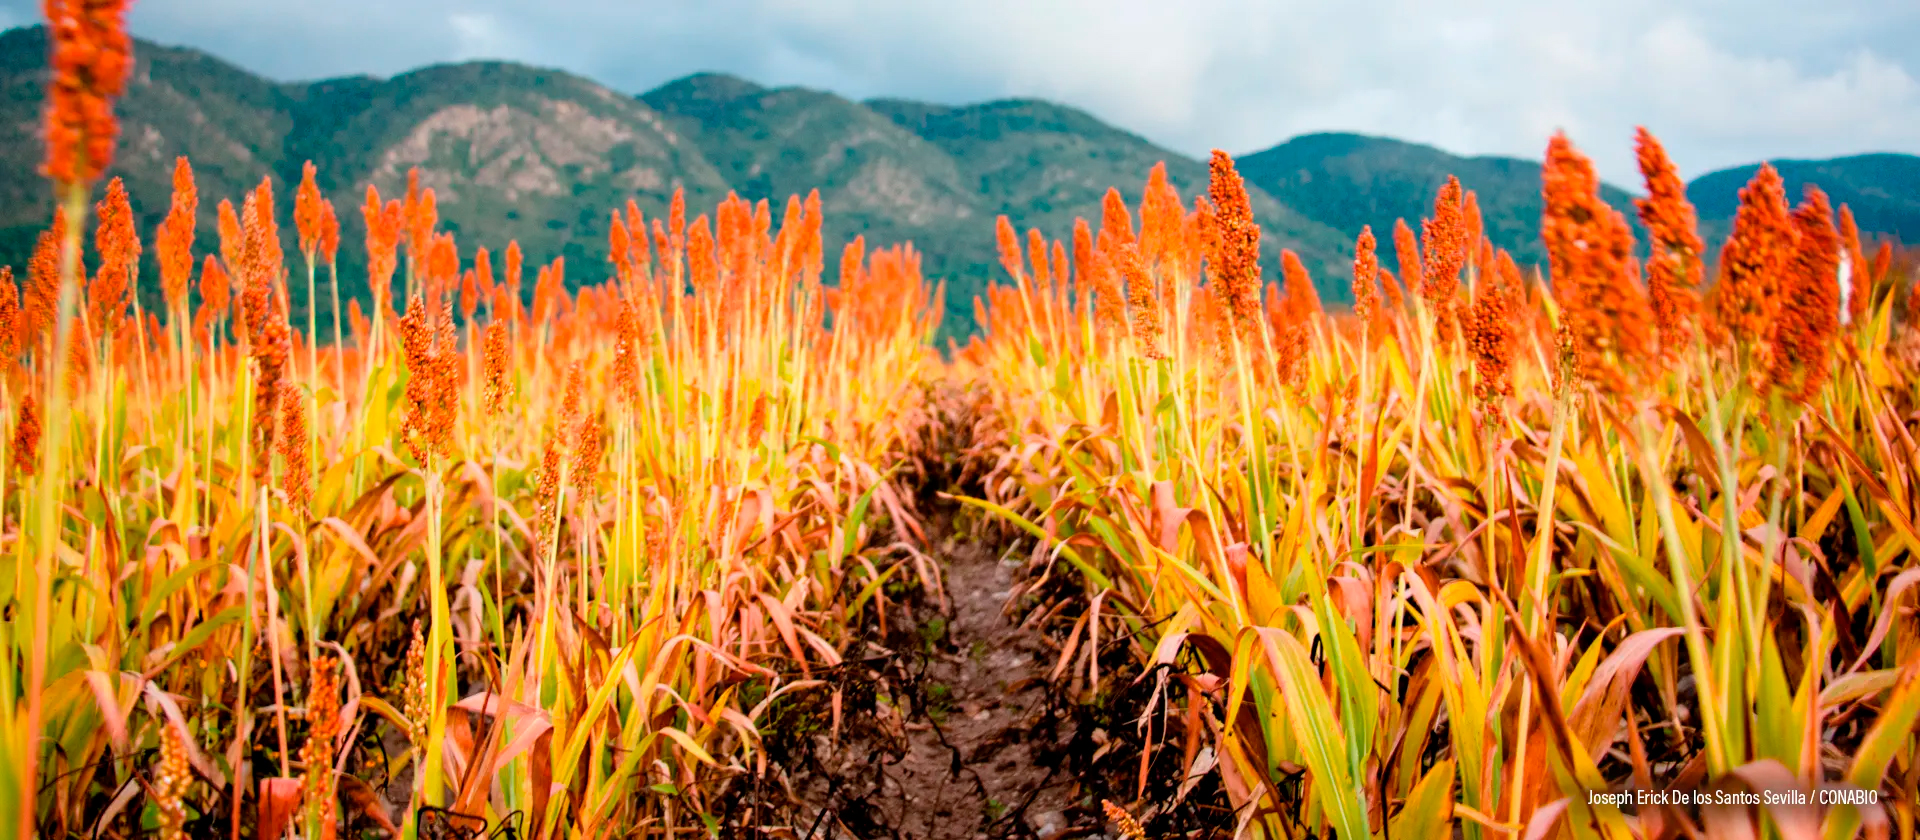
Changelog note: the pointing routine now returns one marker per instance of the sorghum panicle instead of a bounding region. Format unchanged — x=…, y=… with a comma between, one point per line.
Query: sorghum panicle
x=119, y=249
x=414, y=701
x=1810, y=312
x=92, y=56
x=174, y=241
x=1443, y=244
x=1589, y=247
x=171, y=776
x=1366, y=276
x=9, y=318
x=26, y=435
x=1491, y=330
x=1675, y=268
x=323, y=733
x=1142, y=300
x=1129, y=827
x=1753, y=263
x=296, y=477
x=1235, y=260
x=306, y=211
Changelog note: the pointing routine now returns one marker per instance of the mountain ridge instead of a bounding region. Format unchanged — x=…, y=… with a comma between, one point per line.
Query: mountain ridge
x=542, y=155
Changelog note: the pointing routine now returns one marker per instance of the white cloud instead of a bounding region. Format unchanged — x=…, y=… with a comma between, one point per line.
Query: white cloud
x=478, y=36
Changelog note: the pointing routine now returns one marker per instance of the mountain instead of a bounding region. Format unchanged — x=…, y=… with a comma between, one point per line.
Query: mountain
x=875, y=178
x=543, y=156
x=511, y=151
x=1043, y=164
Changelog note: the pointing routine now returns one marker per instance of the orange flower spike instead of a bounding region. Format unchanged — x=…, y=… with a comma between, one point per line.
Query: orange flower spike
x=498, y=379
x=41, y=298
x=1406, y=252
x=543, y=303
x=1082, y=252
x=9, y=317
x=1115, y=221
x=1008, y=244
x=382, y=241
x=1236, y=259
x=1110, y=307
x=1491, y=331
x=852, y=258
x=1675, y=268
x=730, y=238
x=1589, y=246
x=1753, y=261
x=812, y=253
x=1860, y=285
x=216, y=288
x=1037, y=259
x=786, y=243
x=620, y=249
x=270, y=350
x=677, y=217
x=1390, y=286
x=296, y=477
x=263, y=238
x=419, y=215
x=174, y=241
x=1882, y=262
x=320, y=786
x=761, y=229
x=1443, y=246
x=1470, y=216
x=416, y=342
x=26, y=435
x=584, y=466
x=1302, y=298
x=469, y=295
x=357, y=323
x=119, y=249
x=1162, y=219
x=306, y=211
x=1366, y=276
x=329, y=233
x=91, y=58
x=514, y=272
x=1810, y=314
x=232, y=238
x=421, y=228
x=443, y=265
x=702, y=269
x=1142, y=300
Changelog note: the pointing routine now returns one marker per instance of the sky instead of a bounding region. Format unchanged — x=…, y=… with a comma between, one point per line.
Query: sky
x=1721, y=82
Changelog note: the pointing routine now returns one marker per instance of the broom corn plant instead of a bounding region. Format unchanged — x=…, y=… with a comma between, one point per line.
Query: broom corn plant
x=1455, y=563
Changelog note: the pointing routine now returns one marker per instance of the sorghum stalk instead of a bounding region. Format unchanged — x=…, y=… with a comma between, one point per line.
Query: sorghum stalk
x=47, y=501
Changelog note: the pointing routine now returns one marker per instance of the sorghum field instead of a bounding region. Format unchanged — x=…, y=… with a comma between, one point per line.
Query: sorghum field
x=689, y=552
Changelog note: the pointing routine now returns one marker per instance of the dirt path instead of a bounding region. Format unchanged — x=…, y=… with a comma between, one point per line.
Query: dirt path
x=983, y=764
x=976, y=752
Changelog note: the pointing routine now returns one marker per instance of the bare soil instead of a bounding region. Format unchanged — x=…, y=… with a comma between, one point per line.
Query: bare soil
x=968, y=746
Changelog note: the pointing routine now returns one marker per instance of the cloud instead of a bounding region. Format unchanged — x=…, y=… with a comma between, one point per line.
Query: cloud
x=1723, y=82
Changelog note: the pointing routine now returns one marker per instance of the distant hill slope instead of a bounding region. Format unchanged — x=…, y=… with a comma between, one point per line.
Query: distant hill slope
x=542, y=156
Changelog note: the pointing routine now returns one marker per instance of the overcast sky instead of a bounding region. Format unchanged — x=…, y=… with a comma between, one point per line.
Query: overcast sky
x=1722, y=82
